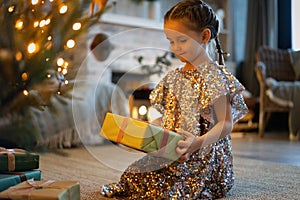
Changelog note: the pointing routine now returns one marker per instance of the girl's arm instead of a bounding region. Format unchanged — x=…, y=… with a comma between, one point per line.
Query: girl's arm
x=223, y=127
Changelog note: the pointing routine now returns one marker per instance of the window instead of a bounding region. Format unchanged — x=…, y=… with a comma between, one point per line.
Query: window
x=295, y=25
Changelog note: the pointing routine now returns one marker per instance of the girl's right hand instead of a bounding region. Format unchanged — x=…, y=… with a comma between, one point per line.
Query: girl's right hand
x=189, y=145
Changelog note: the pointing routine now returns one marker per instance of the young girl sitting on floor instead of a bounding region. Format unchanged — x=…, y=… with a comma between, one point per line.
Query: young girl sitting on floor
x=200, y=100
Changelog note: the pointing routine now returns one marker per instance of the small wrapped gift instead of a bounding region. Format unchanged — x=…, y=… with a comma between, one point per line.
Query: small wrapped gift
x=43, y=190
x=140, y=135
x=17, y=160
x=8, y=179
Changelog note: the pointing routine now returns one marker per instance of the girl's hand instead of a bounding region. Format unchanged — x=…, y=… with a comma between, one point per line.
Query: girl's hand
x=189, y=145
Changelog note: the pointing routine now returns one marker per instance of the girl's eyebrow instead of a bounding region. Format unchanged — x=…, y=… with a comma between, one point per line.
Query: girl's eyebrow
x=178, y=37
x=181, y=36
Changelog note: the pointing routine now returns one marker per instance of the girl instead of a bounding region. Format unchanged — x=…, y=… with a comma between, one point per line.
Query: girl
x=201, y=101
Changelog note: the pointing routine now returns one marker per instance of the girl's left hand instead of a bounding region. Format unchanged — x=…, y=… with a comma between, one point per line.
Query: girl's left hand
x=189, y=145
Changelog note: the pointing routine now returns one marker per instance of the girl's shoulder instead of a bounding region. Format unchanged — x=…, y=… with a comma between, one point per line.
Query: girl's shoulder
x=214, y=69
x=173, y=72
x=213, y=65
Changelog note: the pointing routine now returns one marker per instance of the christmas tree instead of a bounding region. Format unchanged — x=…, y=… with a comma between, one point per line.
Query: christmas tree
x=33, y=36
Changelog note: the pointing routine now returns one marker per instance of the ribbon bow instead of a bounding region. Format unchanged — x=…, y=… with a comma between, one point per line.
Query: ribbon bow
x=11, y=156
x=34, y=185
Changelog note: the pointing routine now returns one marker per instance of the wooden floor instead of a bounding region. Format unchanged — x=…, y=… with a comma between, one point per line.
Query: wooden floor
x=254, y=179
x=274, y=147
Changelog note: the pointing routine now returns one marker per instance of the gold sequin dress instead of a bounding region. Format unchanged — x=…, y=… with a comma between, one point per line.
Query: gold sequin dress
x=185, y=99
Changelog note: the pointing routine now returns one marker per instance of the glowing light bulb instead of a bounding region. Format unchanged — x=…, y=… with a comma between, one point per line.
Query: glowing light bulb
x=25, y=92
x=60, y=61
x=76, y=26
x=143, y=110
x=36, y=24
x=19, y=56
x=42, y=23
x=47, y=21
x=11, y=9
x=24, y=76
x=65, y=65
x=19, y=24
x=64, y=71
x=70, y=43
x=66, y=82
x=63, y=9
x=31, y=47
x=34, y=2
x=49, y=37
x=49, y=75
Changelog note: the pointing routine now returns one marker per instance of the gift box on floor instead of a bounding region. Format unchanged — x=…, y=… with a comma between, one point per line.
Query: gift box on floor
x=43, y=190
x=8, y=179
x=18, y=160
x=140, y=135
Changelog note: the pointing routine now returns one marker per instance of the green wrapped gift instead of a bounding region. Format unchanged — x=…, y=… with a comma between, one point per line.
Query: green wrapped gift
x=18, y=160
x=140, y=135
x=9, y=179
x=43, y=190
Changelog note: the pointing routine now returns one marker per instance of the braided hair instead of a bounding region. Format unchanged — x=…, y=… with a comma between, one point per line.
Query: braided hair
x=198, y=15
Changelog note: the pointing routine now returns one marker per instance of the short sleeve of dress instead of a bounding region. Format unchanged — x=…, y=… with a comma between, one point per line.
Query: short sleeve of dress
x=218, y=81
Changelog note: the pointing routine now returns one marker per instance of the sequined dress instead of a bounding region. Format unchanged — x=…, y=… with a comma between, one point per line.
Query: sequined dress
x=185, y=99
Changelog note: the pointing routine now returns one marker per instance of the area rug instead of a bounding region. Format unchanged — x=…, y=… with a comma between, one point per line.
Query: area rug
x=94, y=166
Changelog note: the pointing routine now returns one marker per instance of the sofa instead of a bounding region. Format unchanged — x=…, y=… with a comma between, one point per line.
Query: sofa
x=278, y=74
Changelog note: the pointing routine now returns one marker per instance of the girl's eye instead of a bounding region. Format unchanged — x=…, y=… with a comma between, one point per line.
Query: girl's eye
x=171, y=42
x=182, y=40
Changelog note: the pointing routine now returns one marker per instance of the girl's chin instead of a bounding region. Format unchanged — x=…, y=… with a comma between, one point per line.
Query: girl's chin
x=182, y=59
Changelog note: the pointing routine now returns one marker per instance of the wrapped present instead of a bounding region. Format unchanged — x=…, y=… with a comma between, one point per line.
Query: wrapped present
x=8, y=179
x=18, y=160
x=140, y=135
x=43, y=190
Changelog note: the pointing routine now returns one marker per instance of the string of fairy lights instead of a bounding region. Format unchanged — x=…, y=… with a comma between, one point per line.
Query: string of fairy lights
x=32, y=47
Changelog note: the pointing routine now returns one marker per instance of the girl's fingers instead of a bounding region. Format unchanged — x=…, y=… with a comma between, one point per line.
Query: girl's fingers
x=187, y=155
x=184, y=157
x=180, y=151
x=182, y=143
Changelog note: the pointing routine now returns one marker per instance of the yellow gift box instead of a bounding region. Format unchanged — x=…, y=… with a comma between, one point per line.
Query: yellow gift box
x=43, y=190
x=140, y=135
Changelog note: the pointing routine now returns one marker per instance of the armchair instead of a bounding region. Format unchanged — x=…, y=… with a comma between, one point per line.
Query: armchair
x=278, y=86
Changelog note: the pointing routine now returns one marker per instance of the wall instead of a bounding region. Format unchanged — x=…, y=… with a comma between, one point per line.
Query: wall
x=130, y=40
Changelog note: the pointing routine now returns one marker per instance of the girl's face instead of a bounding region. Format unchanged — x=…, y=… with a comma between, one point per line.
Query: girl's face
x=185, y=43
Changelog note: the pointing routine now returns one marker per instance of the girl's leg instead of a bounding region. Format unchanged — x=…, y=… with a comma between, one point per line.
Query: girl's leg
x=140, y=177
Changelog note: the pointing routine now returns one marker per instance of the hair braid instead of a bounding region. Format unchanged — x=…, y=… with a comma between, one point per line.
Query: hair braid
x=220, y=52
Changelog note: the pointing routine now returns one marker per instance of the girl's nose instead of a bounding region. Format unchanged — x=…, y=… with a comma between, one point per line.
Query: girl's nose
x=176, y=47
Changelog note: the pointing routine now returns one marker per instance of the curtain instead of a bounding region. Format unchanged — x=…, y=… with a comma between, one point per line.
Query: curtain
x=261, y=30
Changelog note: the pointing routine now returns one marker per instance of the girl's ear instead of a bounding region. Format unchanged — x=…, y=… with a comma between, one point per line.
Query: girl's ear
x=206, y=35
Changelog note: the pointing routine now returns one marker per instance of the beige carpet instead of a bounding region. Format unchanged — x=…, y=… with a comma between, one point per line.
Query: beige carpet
x=94, y=166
